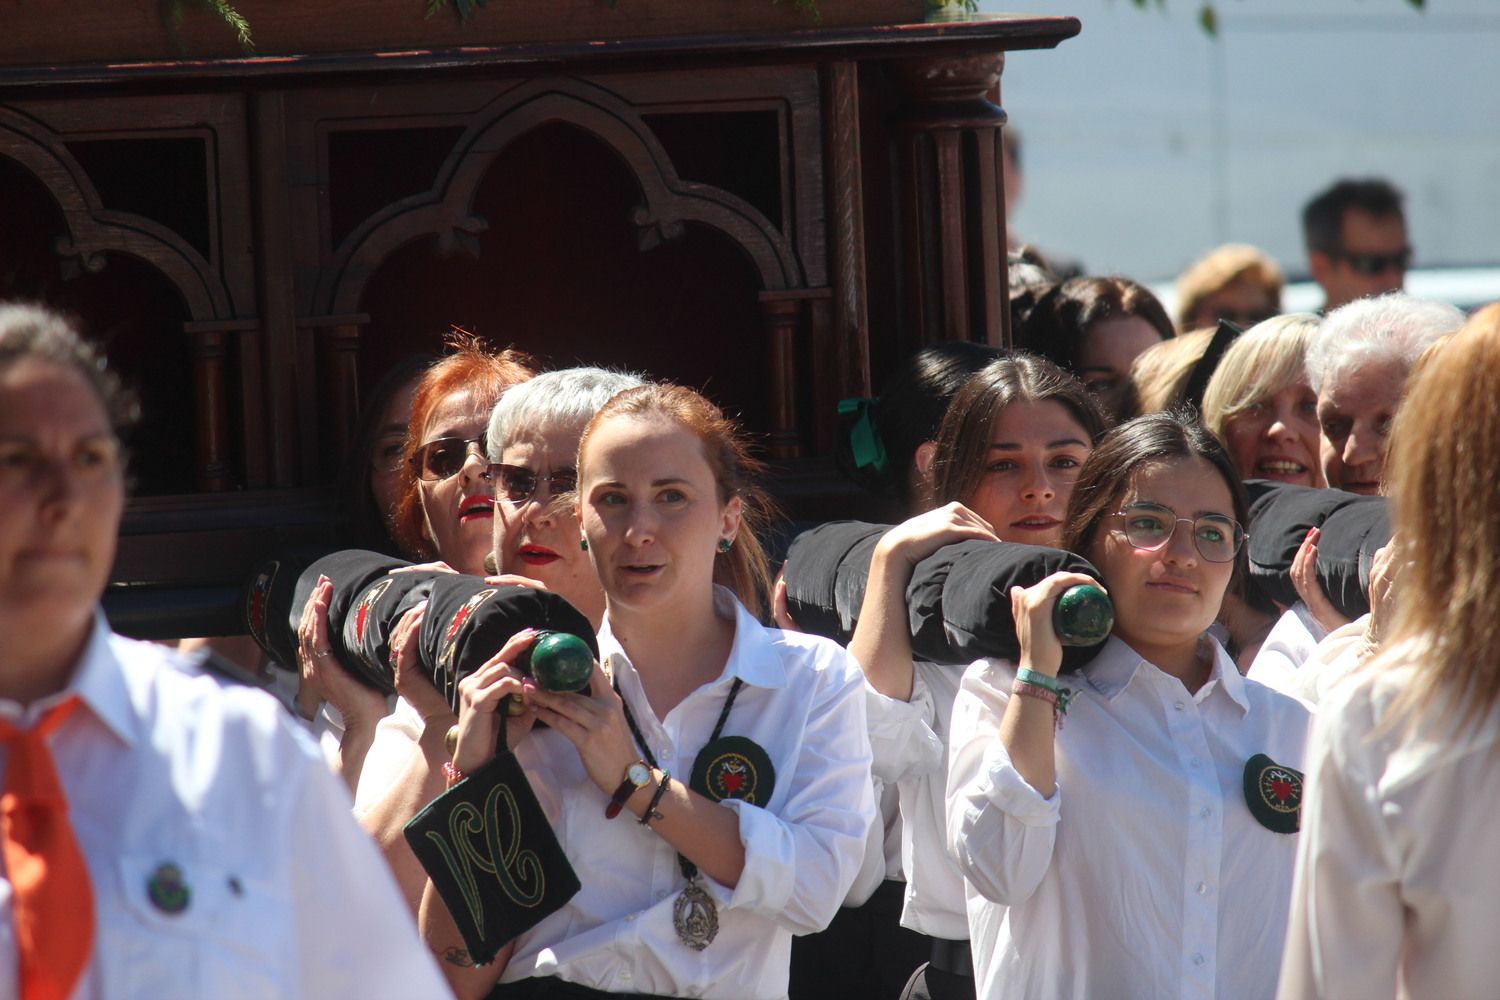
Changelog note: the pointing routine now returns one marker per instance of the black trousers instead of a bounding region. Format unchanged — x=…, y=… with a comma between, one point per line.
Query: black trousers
x=865, y=954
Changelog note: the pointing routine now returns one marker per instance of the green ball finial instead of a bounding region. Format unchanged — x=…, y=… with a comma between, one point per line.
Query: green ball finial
x=1083, y=616
x=560, y=661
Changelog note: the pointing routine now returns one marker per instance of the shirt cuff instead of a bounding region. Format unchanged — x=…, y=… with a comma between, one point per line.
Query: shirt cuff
x=1008, y=791
x=901, y=736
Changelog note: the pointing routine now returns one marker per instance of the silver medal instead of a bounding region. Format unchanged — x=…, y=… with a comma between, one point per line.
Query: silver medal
x=695, y=916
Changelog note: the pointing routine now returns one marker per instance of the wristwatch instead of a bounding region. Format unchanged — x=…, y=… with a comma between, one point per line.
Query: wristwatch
x=637, y=775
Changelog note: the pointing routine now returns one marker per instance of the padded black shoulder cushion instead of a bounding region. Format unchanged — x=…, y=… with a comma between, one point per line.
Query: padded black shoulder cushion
x=959, y=600
x=1280, y=517
x=823, y=594
x=1351, y=537
x=468, y=620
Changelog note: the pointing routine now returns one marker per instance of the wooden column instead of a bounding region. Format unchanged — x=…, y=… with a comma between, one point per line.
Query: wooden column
x=951, y=214
x=846, y=225
x=337, y=340
x=779, y=313
x=209, y=342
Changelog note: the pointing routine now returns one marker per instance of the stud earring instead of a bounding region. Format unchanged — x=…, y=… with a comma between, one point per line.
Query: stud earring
x=725, y=544
x=583, y=543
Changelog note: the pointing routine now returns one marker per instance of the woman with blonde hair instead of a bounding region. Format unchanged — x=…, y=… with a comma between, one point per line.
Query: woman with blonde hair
x=1236, y=282
x=1261, y=405
x=1397, y=889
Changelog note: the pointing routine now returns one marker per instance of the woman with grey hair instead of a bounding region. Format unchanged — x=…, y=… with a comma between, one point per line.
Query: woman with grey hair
x=1357, y=364
x=532, y=450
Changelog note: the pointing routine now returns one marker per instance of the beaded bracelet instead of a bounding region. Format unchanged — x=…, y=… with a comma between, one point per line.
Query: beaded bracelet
x=452, y=773
x=661, y=789
x=1057, y=699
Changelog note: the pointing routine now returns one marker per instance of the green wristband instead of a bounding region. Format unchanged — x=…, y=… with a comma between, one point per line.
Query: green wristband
x=1028, y=676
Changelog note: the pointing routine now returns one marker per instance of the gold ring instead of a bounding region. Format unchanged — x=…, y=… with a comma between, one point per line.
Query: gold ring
x=321, y=653
x=451, y=741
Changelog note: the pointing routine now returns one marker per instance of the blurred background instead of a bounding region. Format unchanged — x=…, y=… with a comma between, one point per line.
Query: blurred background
x=1146, y=141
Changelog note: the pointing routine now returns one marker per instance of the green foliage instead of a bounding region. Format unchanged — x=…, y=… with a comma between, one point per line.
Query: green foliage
x=171, y=15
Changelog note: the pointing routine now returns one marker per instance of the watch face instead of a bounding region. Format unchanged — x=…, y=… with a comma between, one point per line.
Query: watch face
x=639, y=774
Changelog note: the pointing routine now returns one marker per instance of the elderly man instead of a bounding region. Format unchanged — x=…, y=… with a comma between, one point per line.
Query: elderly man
x=1356, y=240
x=1357, y=365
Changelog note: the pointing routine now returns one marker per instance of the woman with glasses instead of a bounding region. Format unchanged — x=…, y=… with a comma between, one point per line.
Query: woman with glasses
x=712, y=789
x=444, y=512
x=1128, y=830
x=533, y=435
x=1002, y=468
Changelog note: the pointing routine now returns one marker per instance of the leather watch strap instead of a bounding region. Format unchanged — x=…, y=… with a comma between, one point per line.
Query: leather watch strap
x=637, y=775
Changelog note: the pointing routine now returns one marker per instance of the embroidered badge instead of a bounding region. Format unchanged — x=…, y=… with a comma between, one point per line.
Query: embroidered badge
x=450, y=638
x=255, y=602
x=734, y=767
x=1274, y=794
x=168, y=889
x=360, y=621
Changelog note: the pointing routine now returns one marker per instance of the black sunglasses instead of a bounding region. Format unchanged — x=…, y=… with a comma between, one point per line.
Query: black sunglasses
x=1371, y=264
x=437, y=460
x=516, y=484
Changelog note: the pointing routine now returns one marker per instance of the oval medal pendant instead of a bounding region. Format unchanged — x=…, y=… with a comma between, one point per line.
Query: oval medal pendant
x=695, y=916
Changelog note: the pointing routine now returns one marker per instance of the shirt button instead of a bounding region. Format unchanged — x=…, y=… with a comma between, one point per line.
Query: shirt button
x=1206, y=812
x=1179, y=706
x=625, y=973
x=1195, y=762
x=1197, y=960
x=666, y=753
x=1202, y=888
x=661, y=894
x=630, y=917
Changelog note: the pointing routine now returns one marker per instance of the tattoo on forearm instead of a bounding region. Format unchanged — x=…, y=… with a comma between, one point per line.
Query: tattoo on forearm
x=460, y=957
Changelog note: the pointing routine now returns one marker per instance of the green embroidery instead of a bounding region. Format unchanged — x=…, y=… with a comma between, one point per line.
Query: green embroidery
x=511, y=867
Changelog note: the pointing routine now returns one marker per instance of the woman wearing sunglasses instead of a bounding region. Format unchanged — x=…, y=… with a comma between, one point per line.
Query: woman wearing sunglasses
x=444, y=512
x=1128, y=830
x=712, y=790
x=533, y=435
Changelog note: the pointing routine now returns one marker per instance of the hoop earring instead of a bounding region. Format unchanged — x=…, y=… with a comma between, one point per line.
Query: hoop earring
x=583, y=543
x=725, y=544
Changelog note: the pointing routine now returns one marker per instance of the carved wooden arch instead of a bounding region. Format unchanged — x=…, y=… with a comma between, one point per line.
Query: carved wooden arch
x=93, y=231
x=445, y=210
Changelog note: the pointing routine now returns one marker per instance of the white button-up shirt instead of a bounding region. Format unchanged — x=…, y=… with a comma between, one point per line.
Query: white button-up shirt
x=914, y=749
x=287, y=896
x=803, y=702
x=1143, y=873
x=1398, y=885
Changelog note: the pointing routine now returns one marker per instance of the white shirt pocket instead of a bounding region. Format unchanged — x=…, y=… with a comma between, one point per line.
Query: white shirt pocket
x=192, y=929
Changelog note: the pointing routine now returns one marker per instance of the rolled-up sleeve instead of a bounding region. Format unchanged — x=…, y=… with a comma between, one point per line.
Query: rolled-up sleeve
x=902, y=739
x=802, y=856
x=1001, y=831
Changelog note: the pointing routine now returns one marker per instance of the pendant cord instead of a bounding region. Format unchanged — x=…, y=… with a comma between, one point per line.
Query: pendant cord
x=689, y=870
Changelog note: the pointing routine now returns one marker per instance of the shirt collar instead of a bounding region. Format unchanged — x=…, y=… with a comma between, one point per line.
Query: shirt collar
x=1111, y=672
x=753, y=657
x=98, y=682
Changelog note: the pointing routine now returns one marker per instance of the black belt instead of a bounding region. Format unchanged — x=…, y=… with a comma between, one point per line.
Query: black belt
x=952, y=957
x=552, y=988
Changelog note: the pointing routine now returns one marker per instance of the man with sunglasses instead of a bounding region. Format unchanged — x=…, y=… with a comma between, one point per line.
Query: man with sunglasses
x=1355, y=233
